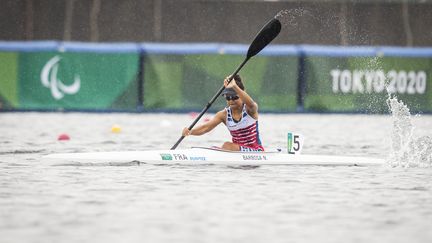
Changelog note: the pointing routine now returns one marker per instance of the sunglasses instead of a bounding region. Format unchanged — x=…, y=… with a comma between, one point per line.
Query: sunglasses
x=228, y=98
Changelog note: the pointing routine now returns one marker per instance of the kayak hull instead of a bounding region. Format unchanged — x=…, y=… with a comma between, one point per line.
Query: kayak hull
x=196, y=156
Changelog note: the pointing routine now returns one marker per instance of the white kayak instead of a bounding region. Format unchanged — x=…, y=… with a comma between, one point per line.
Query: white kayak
x=206, y=156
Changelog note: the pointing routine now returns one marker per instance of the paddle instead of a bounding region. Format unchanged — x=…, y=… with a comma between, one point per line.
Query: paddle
x=263, y=38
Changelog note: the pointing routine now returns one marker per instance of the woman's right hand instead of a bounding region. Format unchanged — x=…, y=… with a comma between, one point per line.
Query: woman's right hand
x=186, y=132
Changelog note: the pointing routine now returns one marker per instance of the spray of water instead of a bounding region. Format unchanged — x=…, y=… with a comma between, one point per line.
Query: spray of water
x=406, y=150
x=289, y=17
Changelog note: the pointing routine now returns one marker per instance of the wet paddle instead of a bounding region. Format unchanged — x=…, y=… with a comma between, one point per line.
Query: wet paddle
x=263, y=38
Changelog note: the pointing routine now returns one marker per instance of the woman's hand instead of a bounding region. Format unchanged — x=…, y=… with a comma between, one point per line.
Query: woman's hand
x=186, y=132
x=231, y=84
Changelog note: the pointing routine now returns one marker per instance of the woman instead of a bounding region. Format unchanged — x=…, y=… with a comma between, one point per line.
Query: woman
x=240, y=117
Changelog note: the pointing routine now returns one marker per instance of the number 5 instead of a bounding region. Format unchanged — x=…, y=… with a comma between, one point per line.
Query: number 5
x=295, y=143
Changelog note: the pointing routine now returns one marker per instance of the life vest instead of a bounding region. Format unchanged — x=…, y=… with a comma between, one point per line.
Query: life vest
x=244, y=132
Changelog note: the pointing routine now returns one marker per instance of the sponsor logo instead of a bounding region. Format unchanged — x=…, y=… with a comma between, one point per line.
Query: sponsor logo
x=166, y=156
x=180, y=157
x=254, y=157
x=198, y=158
x=50, y=80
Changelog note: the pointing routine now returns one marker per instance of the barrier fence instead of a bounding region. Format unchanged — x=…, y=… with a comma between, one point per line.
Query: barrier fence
x=143, y=77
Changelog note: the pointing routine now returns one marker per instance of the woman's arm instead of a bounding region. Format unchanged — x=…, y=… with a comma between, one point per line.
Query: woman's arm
x=206, y=127
x=251, y=105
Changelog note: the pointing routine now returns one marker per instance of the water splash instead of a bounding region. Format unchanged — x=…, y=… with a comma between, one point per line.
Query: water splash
x=288, y=17
x=406, y=150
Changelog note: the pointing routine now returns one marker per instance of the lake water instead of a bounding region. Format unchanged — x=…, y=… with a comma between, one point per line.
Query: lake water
x=147, y=203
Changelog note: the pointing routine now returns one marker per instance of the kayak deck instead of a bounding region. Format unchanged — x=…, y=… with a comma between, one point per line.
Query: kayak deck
x=202, y=155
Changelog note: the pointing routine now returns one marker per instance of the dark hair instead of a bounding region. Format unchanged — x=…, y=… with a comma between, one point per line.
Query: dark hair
x=238, y=81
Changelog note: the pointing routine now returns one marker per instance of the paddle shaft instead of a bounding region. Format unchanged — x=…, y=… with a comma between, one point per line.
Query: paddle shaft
x=209, y=104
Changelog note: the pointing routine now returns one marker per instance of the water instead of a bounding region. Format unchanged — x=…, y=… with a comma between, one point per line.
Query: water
x=407, y=150
x=147, y=203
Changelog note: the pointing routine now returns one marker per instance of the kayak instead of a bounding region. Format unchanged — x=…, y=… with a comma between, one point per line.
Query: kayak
x=208, y=156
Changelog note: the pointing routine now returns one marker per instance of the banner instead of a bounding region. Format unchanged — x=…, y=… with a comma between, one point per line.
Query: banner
x=78, y=80
x=185, y=76
x=8, y=80
x=177, y=82
x=363, y=84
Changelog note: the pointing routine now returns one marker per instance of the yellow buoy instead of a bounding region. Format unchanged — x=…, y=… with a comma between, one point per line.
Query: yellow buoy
x=116, y=129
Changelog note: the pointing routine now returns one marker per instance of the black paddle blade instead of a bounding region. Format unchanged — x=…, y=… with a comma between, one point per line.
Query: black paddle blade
x=264, y=37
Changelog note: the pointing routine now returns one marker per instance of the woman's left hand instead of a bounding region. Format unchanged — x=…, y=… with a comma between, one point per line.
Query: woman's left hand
x=231, y=84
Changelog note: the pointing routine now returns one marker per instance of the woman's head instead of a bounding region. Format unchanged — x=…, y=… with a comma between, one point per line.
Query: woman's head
x=238, y=81
x=229, y=91
x=230, y=95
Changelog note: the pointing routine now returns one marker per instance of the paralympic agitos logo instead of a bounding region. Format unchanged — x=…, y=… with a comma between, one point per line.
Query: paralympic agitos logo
x=50, y=80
